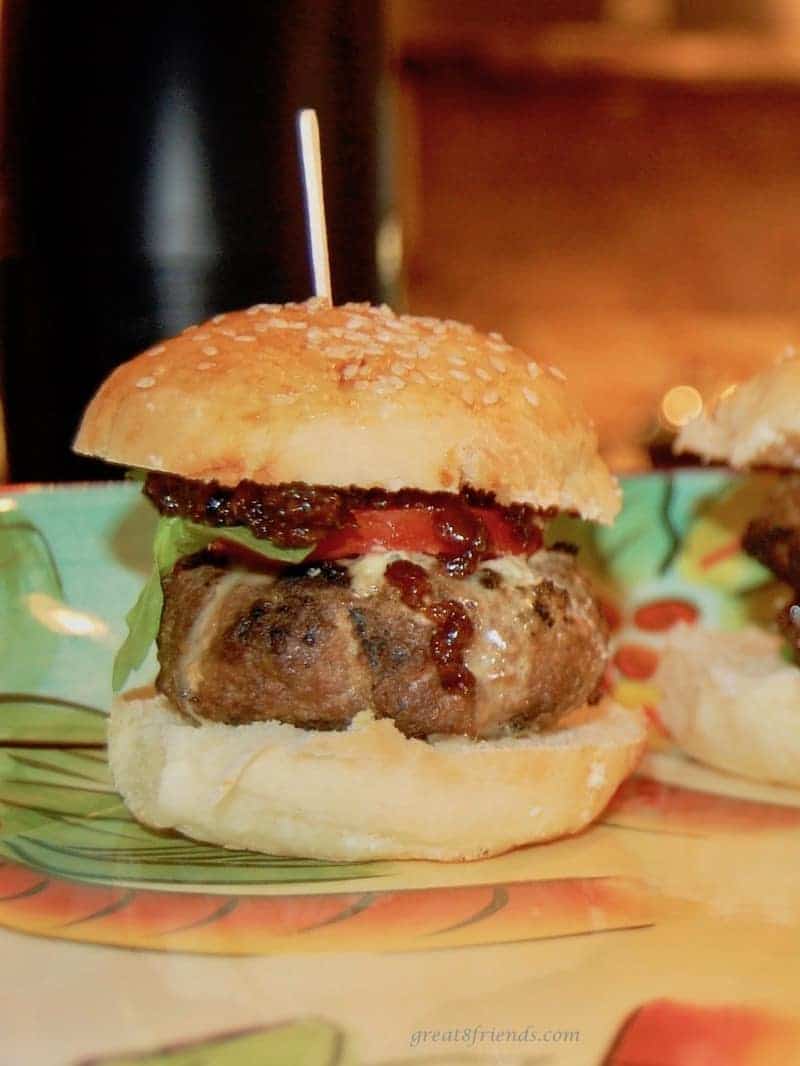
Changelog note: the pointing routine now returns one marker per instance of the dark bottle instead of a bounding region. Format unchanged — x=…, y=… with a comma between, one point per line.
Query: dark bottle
x=152, y=177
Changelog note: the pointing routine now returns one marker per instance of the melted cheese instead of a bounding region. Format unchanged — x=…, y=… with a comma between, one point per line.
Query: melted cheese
x=515, y=570
x=366, y=572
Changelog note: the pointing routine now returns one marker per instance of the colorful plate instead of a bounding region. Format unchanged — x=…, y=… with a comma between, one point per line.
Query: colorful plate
x=666, y=934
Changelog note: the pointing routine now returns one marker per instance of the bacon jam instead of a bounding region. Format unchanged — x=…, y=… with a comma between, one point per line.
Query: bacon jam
x=295, y=514
x=453, y=628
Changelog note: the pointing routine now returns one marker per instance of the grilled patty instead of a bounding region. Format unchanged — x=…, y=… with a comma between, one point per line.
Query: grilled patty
x=314, y=648
x=774, y=536
x=774, y=539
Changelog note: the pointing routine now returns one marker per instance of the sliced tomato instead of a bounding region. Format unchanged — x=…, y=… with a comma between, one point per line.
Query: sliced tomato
x=412, y=529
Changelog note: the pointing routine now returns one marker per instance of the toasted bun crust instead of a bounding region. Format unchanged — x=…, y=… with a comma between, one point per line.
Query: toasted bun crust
x=756, y=424
x=731, y=701
x=351, y=395
x=368, y=792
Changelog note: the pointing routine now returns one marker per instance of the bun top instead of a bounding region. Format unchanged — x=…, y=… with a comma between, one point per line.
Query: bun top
x=756, y=424
x=351, y=395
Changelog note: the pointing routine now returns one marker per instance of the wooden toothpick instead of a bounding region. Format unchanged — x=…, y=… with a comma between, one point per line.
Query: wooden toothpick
x=311, y=160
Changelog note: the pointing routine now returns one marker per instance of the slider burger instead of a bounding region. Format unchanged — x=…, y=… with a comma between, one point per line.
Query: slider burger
x=730, y=698
x=365, y=649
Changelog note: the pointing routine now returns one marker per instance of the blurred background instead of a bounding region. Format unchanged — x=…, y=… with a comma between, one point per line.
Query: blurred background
x=612, y=184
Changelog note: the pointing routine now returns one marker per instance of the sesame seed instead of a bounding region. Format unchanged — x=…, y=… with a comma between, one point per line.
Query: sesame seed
x=484, y=375
x=384, y=336
x=278, y=323
x=349, y=371
x=496, y=346
x=226, y=331
x=204, y=366
x=189, y=329
x=315, y=335
x=210, y=349
x=199, y=337
x=219, y=318
x=490, y=397
x=431, y=375
x=357, y=322
x=395, y=382
x=498, y=364
x=398, y=368
x=282, y=399
x=531, y=397
x=261, y=327
x=459, y=375
x=159, y=348
x=554, y=370
x=145, y=383
x=534, y=369
x=244, y=337
x=456, y=360
x=497, y=337
x=150, y=406
x=156, y=461
x=317, y=303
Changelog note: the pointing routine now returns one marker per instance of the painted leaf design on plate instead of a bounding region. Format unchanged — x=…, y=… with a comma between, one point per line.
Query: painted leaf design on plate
x=26, y=719
x=643, y=541
x=60, y=814
x=27, y=569
x=711, y=553
x=312, y=1042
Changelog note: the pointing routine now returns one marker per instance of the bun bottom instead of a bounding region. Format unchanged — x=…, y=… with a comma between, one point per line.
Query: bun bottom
x=367, y=792
x=731, y=701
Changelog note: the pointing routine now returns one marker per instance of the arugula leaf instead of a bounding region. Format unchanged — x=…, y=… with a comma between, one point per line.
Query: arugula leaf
x=175, y=538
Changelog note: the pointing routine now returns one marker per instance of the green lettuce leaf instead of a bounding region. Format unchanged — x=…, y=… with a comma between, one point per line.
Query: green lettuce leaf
x=175, y=538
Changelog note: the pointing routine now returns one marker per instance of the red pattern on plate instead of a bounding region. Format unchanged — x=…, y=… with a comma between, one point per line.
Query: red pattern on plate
x=666, y=1033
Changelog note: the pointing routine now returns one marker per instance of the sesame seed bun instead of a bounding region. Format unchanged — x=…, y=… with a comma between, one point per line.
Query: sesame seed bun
x=757, y=424
x=366, y=792
x=351, y=395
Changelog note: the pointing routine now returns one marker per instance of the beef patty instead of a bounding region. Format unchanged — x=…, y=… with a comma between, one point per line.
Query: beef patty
x=314, y=646
x=774, y=539
x=774, y=536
